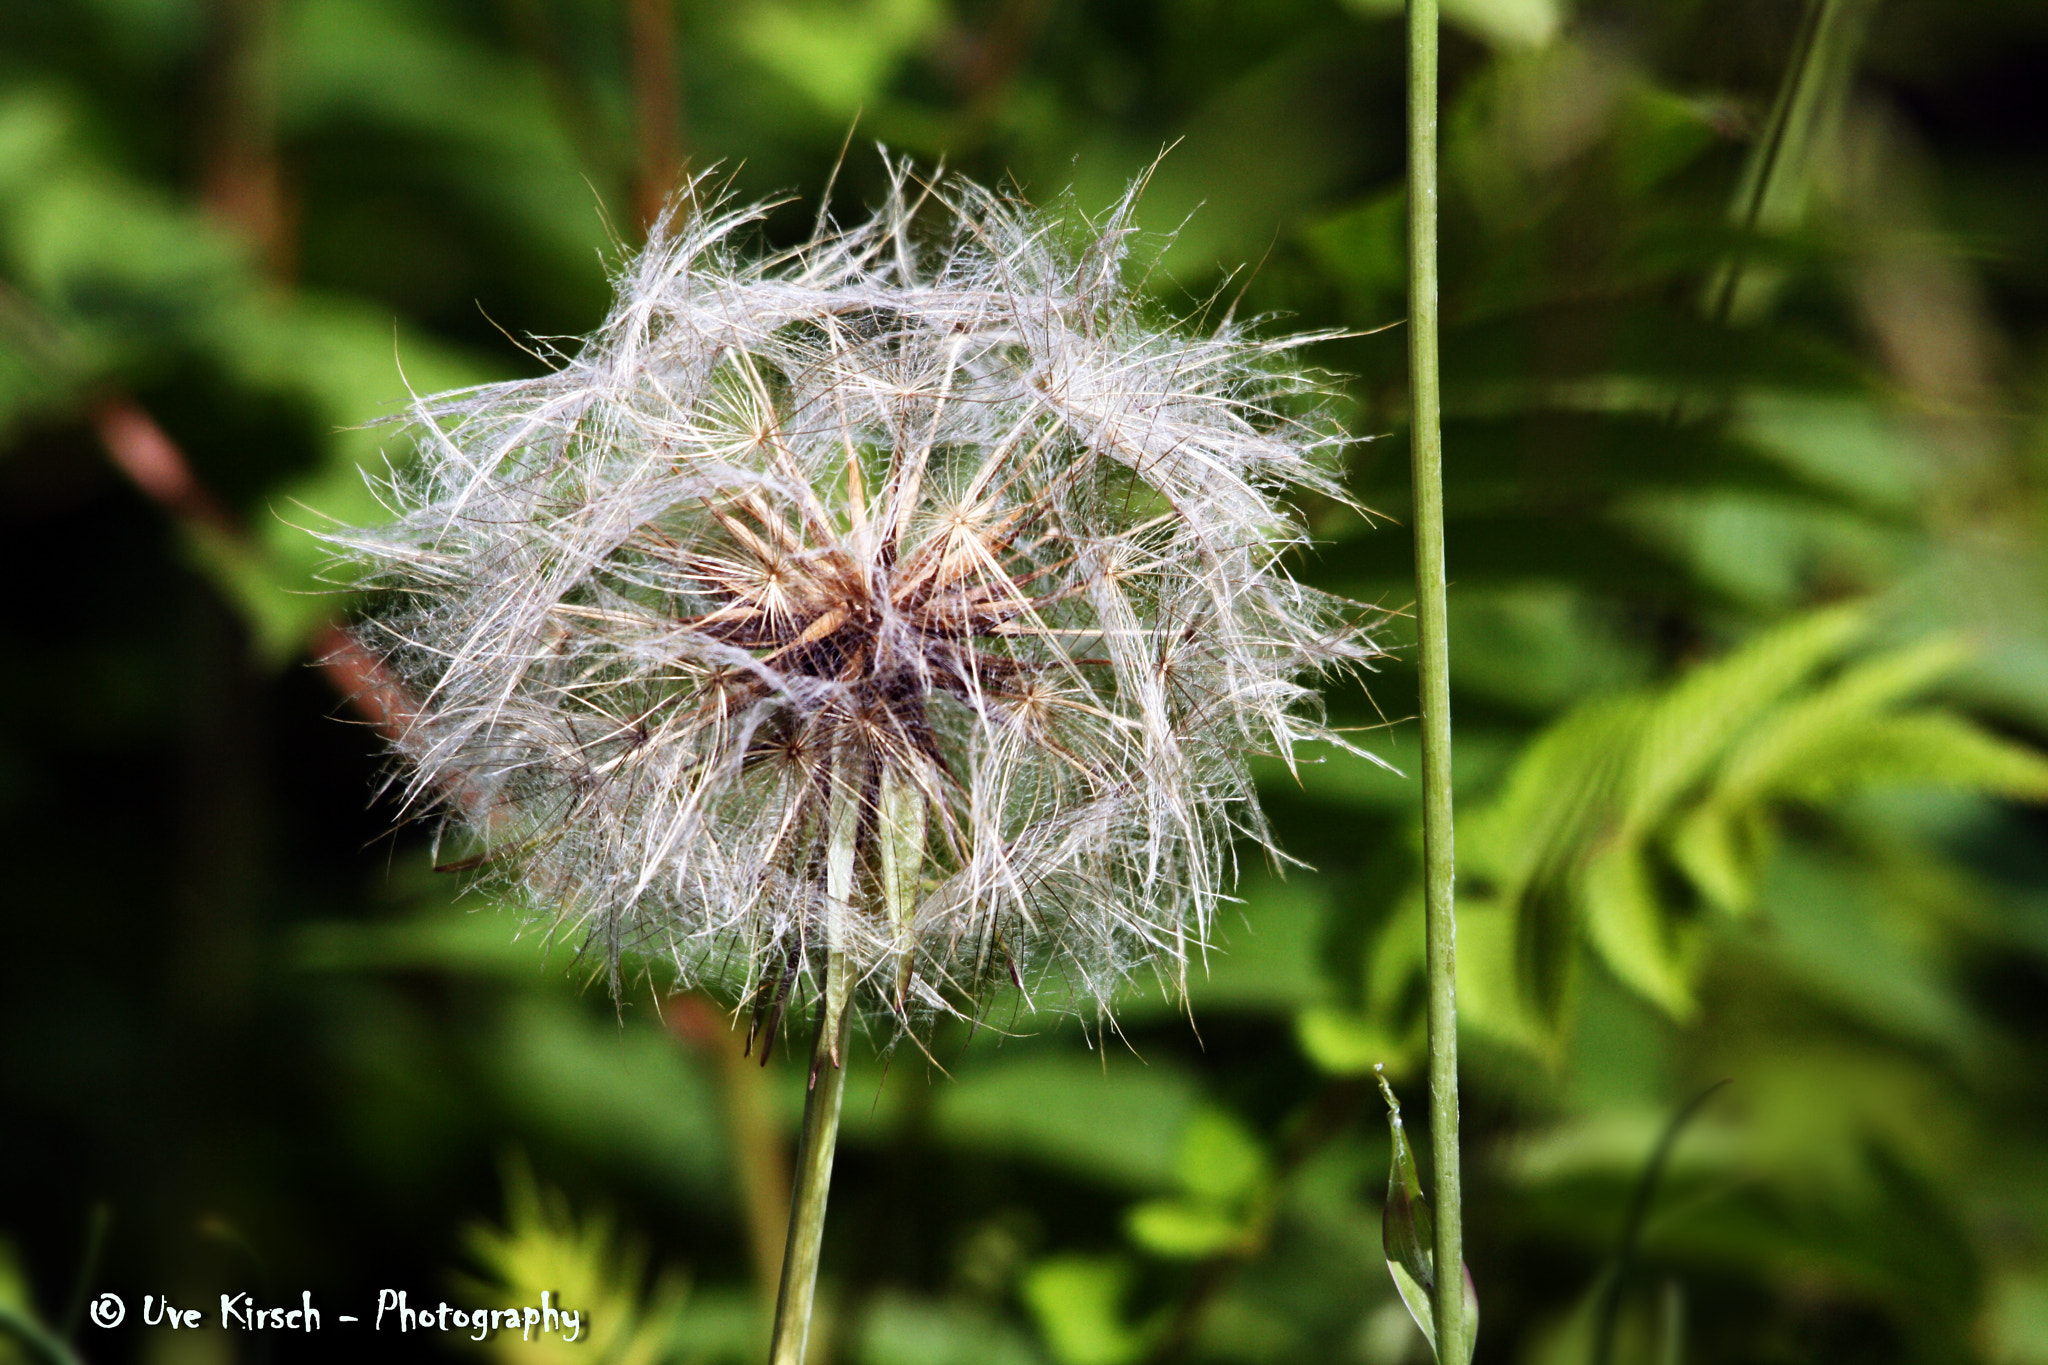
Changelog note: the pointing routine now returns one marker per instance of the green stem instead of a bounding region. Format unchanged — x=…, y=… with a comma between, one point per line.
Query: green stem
x=1808, y=105
x=820, y=1137
x=1608, y=1312
x=1453, y=1334
x=813, y=1183
x=88, y=1267
x=39, y=1344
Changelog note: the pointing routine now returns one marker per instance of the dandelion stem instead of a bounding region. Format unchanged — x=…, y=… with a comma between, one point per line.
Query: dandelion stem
x=820, y=1137
x=812, y=1185
x=1439, y=860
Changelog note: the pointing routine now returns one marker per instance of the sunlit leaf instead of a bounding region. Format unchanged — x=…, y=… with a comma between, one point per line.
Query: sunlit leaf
x=1342, y=1042
x=1184, y=1228
x=1225, y=1179
x=838, y=55
x=1078, y=1302
x=1511, y=23
x=1626, y=813
x=1694, y=722
x=1220, y=1159
x=1627, y=923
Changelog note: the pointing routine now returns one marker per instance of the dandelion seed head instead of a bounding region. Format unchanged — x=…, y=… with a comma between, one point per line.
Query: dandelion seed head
x=940, y=527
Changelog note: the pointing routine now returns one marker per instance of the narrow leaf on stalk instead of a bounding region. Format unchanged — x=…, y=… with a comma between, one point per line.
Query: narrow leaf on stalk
x=1408, y=1234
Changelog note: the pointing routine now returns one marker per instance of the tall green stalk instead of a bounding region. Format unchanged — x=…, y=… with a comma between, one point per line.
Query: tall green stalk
x=812, y=1182
x=1453, y=1331
x=897, y=854
x=809, y=1189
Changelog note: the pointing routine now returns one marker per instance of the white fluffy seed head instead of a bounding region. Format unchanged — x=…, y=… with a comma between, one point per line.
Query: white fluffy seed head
x=936, y=523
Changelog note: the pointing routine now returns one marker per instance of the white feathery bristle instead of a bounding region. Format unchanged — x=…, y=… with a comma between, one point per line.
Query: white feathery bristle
x=943, y=512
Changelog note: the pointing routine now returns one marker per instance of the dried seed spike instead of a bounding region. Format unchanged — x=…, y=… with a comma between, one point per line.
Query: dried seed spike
x=856, y=492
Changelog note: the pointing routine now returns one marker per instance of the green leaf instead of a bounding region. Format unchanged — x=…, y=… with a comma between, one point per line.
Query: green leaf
x=1531, y=845
x=896, y=1328
x=1184, y=1229
x=1627, y=925
x=1267, y=957
x=842, y=55
x=1408, y=1234
x=1506, y=23
x=117, y=277
x=1838, y=439
x=1078, y=1303
x=1694, y=722
x=1657, y=134
x=1343, y=1043
x=503, y=150
x=1365, y=248
x=1220, y=1159
x=556, y=1066
x=1926, y=749
x=1719, y=850
x=1225, y=1176
x=1577, y=843
x=1122, y=1125
x=1559, y=792
x=1407, y=1231
x=1829, y=931
x=1792, y=746
x=2016, y=1316
x=1494, y=996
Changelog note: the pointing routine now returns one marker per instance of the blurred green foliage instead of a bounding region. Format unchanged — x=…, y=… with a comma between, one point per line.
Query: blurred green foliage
x=1746, y=350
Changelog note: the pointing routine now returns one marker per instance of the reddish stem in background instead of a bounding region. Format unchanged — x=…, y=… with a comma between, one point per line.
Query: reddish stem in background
x=657, y=106
x=242, y=182
x=759, y=1157
x=143, y=451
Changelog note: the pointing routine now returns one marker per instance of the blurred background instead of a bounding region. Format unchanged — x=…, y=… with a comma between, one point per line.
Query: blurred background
x=1746, y=351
